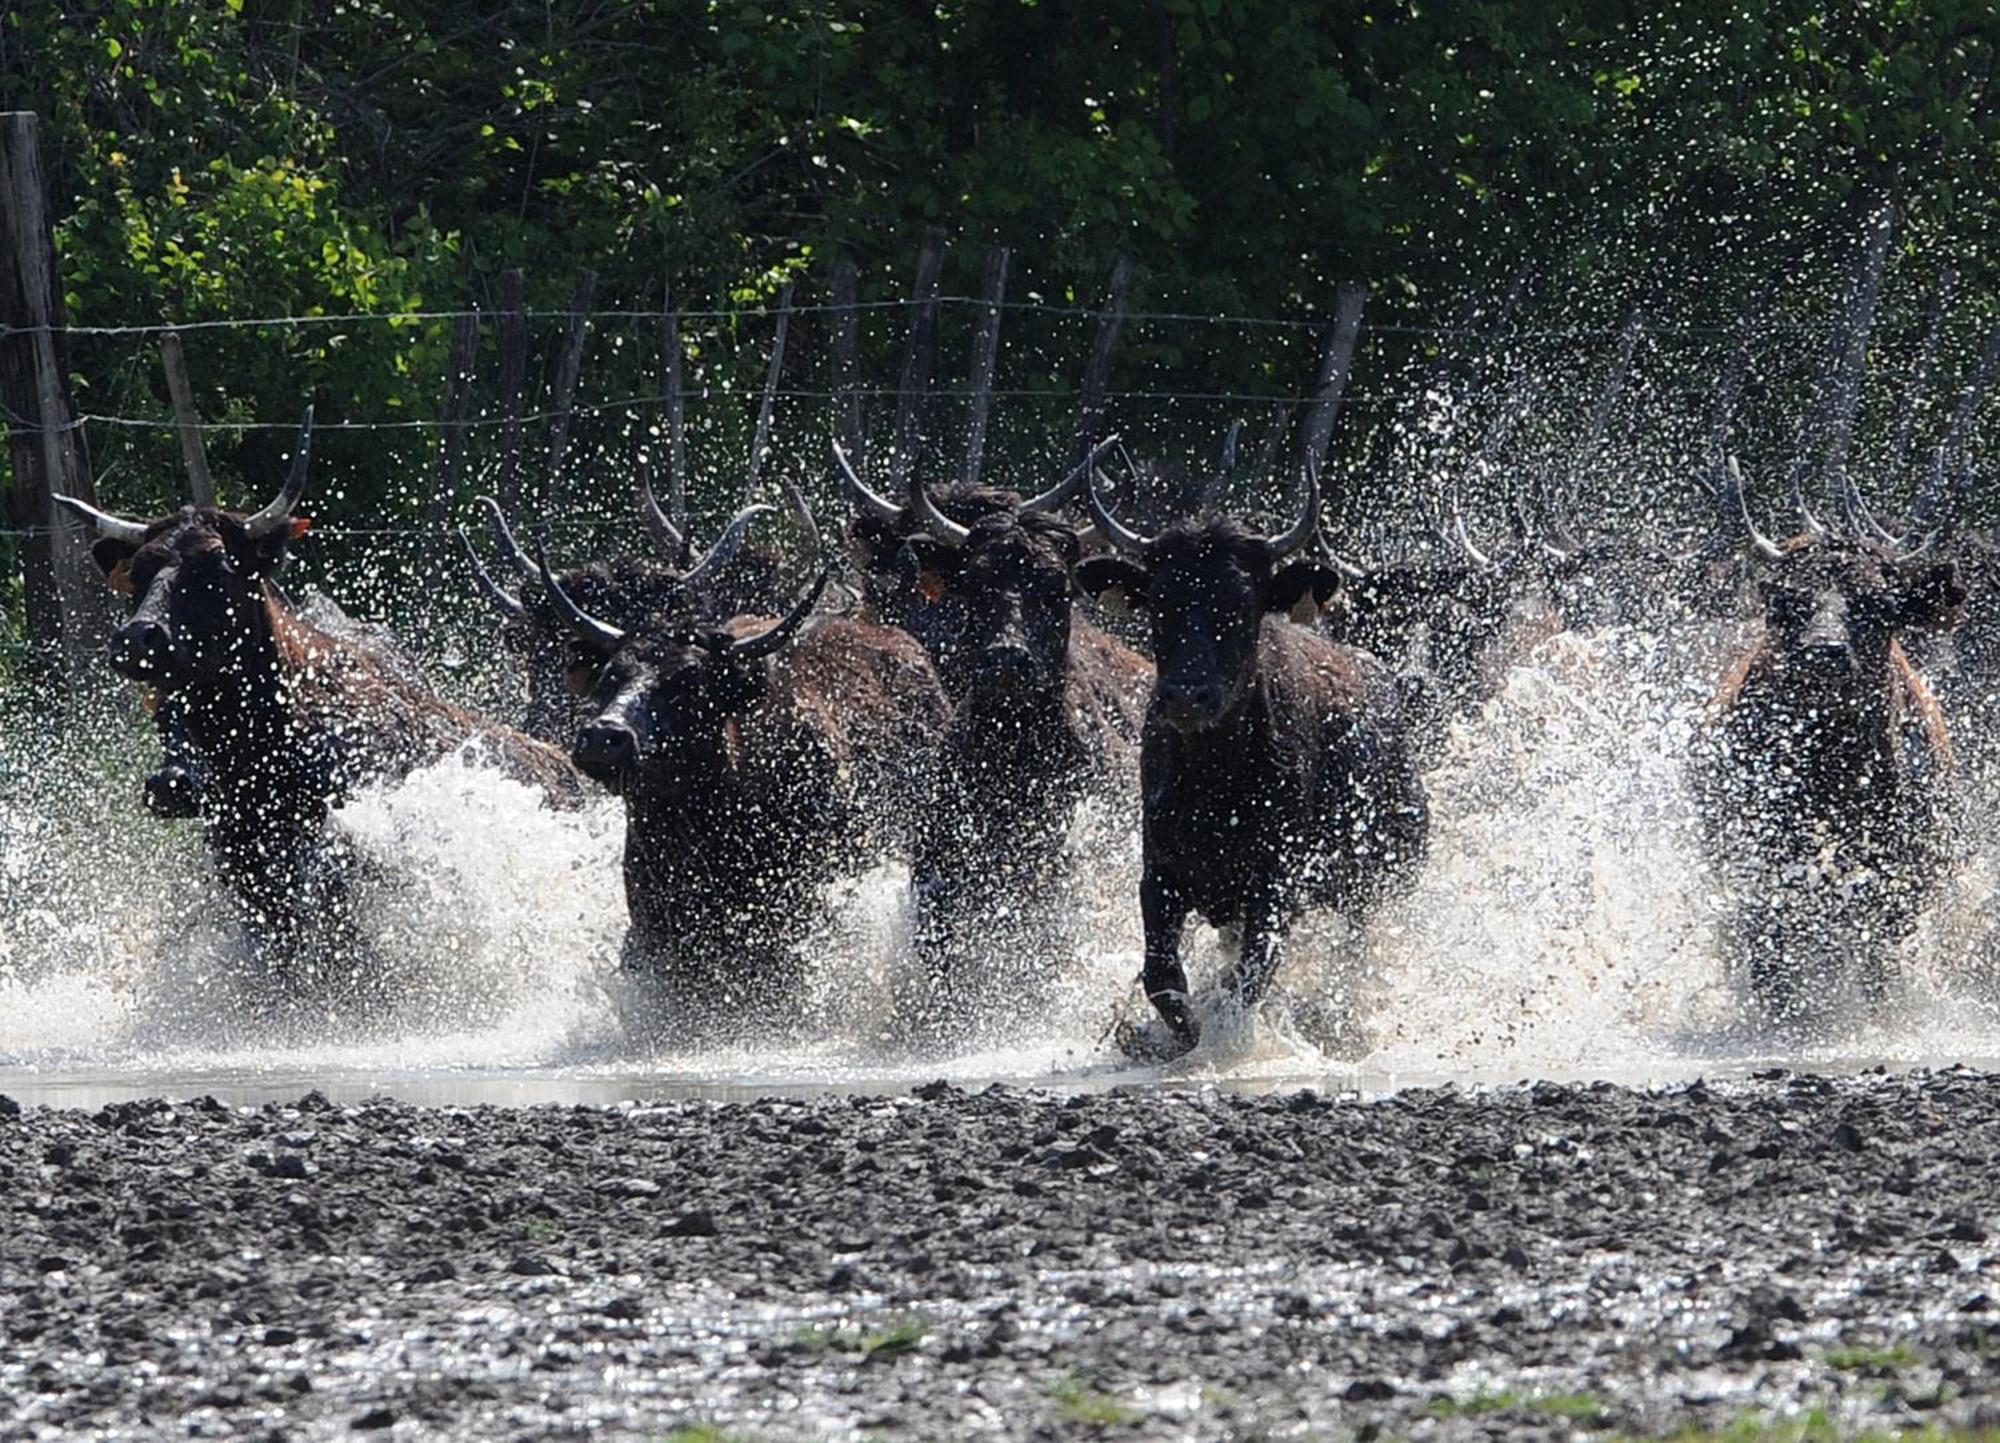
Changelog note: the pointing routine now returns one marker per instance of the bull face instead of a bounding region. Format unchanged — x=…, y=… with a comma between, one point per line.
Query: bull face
x=197, y=581
x=911, y=588
x=911, y=585
x=1003, y=598
x=1207, y=584
x=662, y=706
x=1832, y=613
x=665, y=696
x=197, y=588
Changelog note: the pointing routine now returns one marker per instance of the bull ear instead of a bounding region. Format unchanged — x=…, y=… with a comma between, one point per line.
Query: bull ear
x=1118, y=584
x=928, y=566
x=1303, y=588
x=1933, y=598
x=111, y=556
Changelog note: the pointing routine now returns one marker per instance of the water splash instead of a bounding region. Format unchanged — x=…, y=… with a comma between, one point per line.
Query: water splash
x=1562, y=926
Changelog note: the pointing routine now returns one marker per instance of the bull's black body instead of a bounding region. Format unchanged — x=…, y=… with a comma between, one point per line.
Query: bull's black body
x=1047, y=710
x=274, y=722
x=1277, y=772
x=749, y=785
x=1823, y=775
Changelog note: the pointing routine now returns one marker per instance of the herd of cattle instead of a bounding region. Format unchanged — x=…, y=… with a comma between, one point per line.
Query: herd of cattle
x=1265, y=707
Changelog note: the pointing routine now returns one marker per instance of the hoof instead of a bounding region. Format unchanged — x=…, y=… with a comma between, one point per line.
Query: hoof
x=1152, y=1041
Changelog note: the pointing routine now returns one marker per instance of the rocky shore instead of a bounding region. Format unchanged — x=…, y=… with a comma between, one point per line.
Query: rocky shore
x=1541, y=1261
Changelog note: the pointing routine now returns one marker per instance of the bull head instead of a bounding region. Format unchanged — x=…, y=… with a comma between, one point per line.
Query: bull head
x=1208, y=583
x=665, y=693
x=197, y=578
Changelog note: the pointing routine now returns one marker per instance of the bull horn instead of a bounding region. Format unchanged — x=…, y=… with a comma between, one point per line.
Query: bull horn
x=503, y=538
x=1121, y=536
x=1059, y=494
x=1861, y=516
x=1732, y=490
x=111, y=528
x=810, y=542
x=657, y=521
x=726, y=545
x=599, y=636
x=1352, y=570
x=750, y=648
x=503, y=600
x=935, y=523
x=279, y=512
x=1301, y=530
x=878, y=506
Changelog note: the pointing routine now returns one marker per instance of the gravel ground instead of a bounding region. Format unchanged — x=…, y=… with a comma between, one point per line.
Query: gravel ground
x=1544, y=1261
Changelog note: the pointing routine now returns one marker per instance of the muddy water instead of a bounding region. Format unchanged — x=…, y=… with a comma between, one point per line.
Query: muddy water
x=1563, y=928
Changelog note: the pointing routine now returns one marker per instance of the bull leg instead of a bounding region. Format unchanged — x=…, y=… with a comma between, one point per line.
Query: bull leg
x=1263, y=939
x=1164, y=912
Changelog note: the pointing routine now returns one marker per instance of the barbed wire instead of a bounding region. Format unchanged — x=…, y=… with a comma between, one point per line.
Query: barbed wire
x=1079, y=312
x=650, y=401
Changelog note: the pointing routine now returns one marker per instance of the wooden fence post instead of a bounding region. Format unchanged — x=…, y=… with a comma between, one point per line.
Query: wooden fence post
x=1336, y=361
x=67, y=614
x=985, y=359
x=459, y=374
x=918, y=357
x=760, y=441
x=567, y=373
x=674, y=407
x=847, y=368
x=1097, y=375
x=513, y=381
x=201, y=486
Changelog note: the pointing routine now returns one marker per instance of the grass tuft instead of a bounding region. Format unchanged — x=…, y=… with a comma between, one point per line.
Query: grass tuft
x=1084, y=1405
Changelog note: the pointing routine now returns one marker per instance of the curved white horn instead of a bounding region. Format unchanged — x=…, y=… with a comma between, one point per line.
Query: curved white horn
x=657, y=521
x=772, y=637
x=880, y=507
x=726, y=545
x=1060, y=493
x=600, y=636
x=935, y=523
x=1732, y=488
x=279, y=512
x=502, y=599
x=1301, y=530
x=112, y=528
x=1109, y=526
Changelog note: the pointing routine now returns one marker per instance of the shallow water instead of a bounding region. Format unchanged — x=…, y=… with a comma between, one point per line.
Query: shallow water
x=1562, y=928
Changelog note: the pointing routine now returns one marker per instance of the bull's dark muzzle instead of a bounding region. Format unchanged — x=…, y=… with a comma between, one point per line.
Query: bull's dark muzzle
x=142, y=650
x=1827, y=659
x=1188, y=707
x=606, y=751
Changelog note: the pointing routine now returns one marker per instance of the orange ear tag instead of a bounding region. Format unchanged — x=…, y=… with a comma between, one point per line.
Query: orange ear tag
x=930, y=585
x=120, y=580
x=149, y=699
x=300, y=526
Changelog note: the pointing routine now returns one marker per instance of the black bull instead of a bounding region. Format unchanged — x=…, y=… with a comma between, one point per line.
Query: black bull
x=281, y=719
x=1822, y=776
x=1276, y=770
x=1047, y=711
x=758, y=762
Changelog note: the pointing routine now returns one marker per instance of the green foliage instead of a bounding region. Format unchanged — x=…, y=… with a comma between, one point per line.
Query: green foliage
x=270, y=158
